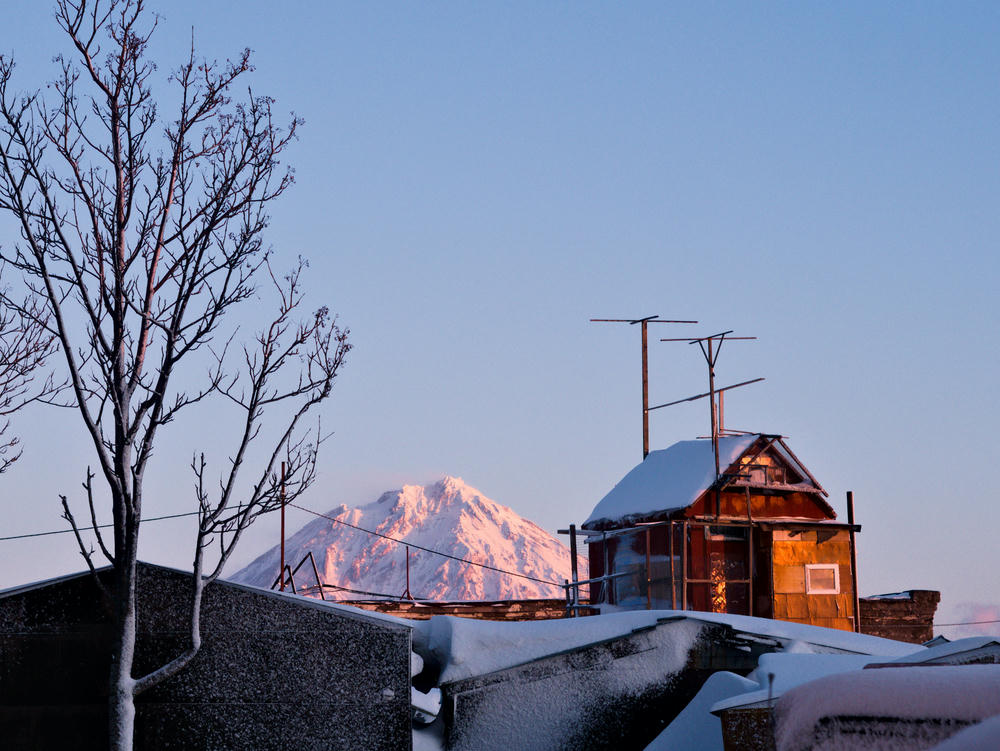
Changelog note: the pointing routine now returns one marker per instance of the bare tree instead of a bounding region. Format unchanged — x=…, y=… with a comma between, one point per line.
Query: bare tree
x=24, y=346
x=137, y=243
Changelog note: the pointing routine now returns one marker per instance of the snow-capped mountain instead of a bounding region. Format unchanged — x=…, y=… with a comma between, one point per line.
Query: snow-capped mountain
x=448, y=516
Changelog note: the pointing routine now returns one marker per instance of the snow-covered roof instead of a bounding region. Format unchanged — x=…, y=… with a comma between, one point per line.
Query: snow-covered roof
x=983, y=736
x=789, y=671
x=955, y=652
x=466, y=647
x=675, y=477
x=966, y=693
x=802, y=637
x=668, y=479
x=295, y=599
x=695, y=727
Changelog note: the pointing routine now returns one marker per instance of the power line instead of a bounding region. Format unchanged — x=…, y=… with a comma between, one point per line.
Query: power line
x=99, y=526
x=314, y=513
x=409, y=544
x=429, y=550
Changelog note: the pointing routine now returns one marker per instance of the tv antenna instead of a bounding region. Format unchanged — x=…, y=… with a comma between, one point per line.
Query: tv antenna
x=645, y=367
x=711, y=357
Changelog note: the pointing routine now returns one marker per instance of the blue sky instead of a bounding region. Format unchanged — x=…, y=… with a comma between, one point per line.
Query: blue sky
x=476, y=181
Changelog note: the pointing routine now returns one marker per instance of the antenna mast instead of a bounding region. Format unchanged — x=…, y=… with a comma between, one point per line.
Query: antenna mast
x=711, y=355
x=645, y=367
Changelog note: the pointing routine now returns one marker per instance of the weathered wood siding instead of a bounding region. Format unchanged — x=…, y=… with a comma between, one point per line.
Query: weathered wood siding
x=791, y=552
x=772, y=506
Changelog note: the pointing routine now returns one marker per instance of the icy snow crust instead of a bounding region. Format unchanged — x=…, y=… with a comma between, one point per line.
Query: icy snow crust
x=449, y=516
x=965, y=693
x=667, y=479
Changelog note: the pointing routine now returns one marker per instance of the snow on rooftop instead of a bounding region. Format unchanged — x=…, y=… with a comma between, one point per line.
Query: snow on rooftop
x=790, y=670
x=668, y=479
x=967, y=693
x=984, y=736
x=950, y=649
x=907, y=595
x=695, y=727
x=466, y=647
x=803, y=637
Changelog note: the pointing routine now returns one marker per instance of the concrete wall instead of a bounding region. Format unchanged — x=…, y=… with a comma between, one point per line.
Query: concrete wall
x=274, y=671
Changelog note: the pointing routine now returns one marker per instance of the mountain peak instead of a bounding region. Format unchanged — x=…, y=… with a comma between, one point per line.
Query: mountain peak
x=448, y=516
x=450, y=484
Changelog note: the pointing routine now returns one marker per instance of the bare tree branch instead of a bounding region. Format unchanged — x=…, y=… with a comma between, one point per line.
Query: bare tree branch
x=139, y=235
x=25, y=345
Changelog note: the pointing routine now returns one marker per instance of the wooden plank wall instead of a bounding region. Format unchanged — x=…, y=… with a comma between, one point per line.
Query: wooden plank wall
x=792, y=550
x=771, y=506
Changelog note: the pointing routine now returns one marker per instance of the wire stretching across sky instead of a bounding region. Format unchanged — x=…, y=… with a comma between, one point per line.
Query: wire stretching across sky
x=401, y=542
x=324, y=516
x=429, y=550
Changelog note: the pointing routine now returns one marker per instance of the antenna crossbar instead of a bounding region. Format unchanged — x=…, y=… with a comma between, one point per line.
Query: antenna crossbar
x=707, y=393
x=645, y=366
x=647, y=319
x=711, y=355
x=706, y=338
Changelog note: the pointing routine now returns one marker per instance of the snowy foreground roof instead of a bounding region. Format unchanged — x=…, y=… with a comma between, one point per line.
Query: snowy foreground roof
x=668, y=479
x=470, y=650
x=966, y=694
x=466, y=647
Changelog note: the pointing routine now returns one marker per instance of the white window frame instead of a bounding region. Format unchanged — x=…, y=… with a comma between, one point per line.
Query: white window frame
x=835, y=567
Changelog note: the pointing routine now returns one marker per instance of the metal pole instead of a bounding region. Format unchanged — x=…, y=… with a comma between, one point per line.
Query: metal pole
x=407, y=594
x=319, y=582
x=649, y=576
x=573, y=565
x=607, y=582
x=854, y=562
x=711, y=391
x=750, y=573
x=645, y=395
x=673, y=575
x=283, y=527
x=645, y=368
x=684, y=566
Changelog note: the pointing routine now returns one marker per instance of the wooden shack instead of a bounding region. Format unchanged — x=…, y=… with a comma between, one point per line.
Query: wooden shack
x=755, y=538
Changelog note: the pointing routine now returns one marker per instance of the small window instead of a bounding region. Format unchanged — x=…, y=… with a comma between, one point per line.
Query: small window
x=719, y=533
x=822, y=579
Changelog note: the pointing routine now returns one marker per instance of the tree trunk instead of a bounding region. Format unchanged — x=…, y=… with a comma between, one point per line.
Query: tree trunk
x=121, y=688
x=121, y=717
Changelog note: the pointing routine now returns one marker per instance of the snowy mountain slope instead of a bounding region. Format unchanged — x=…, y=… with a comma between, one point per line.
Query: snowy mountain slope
x=448, y=516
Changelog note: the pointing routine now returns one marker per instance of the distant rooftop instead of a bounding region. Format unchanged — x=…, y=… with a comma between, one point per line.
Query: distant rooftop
x=668, y=479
